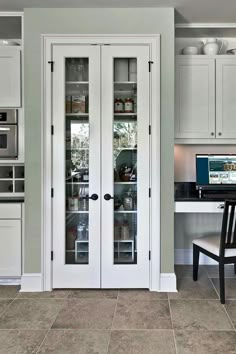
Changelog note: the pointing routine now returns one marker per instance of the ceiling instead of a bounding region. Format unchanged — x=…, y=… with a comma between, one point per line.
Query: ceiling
x=186, y=10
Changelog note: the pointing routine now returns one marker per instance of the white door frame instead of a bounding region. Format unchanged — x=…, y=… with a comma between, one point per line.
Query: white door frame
x=47, y=41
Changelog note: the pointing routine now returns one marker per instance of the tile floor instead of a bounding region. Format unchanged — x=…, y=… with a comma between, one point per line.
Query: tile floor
x=125, y=321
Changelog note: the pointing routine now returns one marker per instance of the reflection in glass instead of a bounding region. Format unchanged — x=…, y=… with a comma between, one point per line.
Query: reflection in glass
x=77, y=161
x=125, y=144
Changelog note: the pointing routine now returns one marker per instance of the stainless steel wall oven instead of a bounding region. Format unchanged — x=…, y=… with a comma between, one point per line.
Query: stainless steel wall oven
x=8, y=134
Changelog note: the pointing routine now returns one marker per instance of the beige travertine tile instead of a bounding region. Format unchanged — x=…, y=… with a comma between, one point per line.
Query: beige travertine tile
x=213, y=271
x=142, y=314
x=3, y=304
x=86, y=314
x=20, y=342
x=141, y=295
x=230, y=307
x=199, y=315
x=142, y=342
x=30, y=314
x=189, y=289
x=182, y=271
x=8, y=291
x=205, y=342
x=55, y=294
x=91, y=294
x=230, y=287
x=75, y=342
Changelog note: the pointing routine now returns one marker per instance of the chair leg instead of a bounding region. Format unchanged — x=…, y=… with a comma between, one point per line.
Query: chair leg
x=234, y=268
x=222, y=282
x=195, y=262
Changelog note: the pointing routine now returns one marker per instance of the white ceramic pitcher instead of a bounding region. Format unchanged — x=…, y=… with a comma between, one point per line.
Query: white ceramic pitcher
x=213, y=46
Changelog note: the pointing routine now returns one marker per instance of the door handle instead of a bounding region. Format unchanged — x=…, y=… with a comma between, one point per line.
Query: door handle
x=108, y=196
x=93, y=197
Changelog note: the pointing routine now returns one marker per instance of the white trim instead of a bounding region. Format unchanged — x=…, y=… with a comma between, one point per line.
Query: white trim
x=168, y=282
x=31, y=282
x=185, y=256
x=205, y=25
x=46, y=174
x=11, y=13
x=10, y=281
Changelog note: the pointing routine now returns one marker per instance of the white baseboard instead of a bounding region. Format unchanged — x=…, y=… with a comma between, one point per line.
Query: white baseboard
x=168, y=282
x=10, y=281
x=185, y=256
x=31, y=282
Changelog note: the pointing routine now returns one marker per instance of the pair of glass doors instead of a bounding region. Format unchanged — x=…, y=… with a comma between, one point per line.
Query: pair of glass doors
x=100, y=114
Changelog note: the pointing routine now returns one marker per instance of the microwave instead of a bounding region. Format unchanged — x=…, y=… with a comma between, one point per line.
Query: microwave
x=8, y=134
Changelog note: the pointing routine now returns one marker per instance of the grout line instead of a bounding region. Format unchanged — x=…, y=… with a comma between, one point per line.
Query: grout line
x=11, y=301
x=113, y=321
x=173, y=331
x=229, y=318
x=43, y=340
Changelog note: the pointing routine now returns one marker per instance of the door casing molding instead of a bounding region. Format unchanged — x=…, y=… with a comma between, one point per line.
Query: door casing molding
x=47, y=41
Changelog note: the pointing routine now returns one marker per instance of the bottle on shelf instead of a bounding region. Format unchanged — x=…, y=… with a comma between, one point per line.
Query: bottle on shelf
x=118, y=105
x=129, y=105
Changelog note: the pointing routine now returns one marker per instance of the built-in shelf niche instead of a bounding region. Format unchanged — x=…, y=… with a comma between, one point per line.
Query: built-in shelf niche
x=12, y=180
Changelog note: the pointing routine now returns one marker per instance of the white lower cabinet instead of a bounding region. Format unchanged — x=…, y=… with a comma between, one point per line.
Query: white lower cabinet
x=10, y=240
x=101, y=162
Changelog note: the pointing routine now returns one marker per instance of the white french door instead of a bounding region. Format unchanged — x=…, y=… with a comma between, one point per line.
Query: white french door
x=100, y=114
x=125, y=258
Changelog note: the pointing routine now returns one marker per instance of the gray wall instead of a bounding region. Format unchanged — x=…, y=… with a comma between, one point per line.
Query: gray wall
x=95, y=21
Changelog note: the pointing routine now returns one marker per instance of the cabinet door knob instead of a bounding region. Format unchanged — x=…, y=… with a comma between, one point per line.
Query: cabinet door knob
x=219, y=133
x=212, y=133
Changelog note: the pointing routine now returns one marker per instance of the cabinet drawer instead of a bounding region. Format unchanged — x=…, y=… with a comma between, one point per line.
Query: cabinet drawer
x=199, y=207
x=10, y=248
x=10, y=211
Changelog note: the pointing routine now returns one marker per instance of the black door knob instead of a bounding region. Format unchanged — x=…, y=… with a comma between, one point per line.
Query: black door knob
x=93, y=197
x=108, y=197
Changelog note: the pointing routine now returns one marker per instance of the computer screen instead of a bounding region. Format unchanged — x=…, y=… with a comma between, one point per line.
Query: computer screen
x=215, y=170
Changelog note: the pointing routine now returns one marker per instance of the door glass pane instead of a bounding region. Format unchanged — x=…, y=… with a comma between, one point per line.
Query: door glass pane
x=125, y=149
x=77, y=160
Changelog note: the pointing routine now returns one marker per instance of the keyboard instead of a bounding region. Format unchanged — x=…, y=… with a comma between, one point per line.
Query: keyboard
x=220, y=196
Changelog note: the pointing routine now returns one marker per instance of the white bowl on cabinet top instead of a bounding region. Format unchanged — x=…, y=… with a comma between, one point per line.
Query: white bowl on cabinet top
x=190, y=50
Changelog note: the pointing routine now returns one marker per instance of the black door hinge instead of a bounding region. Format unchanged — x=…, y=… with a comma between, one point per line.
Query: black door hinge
x=52, y=65
x=51, y=255
x=150, y=129
x=52, y=129
x=150, y=65
x=149, y=192
x=52, y=192
x=149, y=256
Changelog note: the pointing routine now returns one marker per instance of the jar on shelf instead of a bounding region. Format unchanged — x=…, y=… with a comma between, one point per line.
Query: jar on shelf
x=129, y=105
x=124, y=231
x=73, y=204
x=117, y=230
x=128, y=201
x=70, y=238
x=118, y=105
x=86, y=176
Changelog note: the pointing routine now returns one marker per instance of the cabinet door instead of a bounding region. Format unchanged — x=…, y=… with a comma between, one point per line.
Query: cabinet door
x=76, y=166
x=10, y=248
x=10, y=88
x=195, y=98
x=125, y=166
x=226, y=98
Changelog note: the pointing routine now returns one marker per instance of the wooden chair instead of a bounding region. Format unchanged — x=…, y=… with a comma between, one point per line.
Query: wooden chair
x=221, y=247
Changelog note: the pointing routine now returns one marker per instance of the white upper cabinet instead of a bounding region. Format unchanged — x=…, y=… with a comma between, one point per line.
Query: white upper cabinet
x=226, y=98
x=10, y=77
x=195, y=98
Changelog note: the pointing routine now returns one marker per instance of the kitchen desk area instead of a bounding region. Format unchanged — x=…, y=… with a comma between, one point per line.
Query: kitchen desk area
x=193, y=218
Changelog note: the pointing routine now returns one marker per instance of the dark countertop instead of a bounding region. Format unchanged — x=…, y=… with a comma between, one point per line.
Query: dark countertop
x=11, y=199
x=186, y=192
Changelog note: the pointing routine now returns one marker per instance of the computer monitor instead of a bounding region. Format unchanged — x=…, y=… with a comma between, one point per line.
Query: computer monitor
x=216, y=172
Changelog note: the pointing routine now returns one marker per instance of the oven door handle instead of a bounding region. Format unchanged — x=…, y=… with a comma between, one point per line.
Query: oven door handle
x=5, y=129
